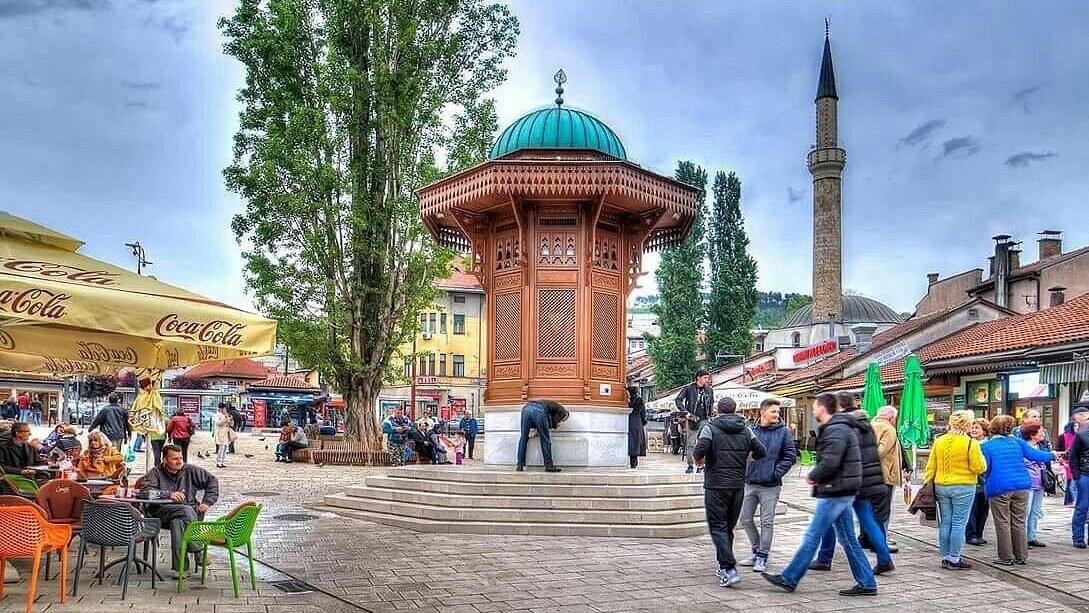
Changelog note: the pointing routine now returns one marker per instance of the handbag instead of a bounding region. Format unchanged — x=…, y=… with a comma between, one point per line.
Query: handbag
x=925, y=501
x=1050, y=480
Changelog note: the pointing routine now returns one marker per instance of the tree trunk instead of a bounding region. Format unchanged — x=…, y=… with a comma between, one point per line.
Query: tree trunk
x=361, y=423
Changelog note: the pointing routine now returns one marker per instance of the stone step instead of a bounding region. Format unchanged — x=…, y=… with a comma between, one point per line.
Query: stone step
x=420, y=524
x=665, y=503
x=440, y=485
x=534, y=475
x=516, y=515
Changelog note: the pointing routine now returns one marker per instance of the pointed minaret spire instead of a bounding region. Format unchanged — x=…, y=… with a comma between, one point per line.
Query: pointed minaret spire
x=826, y=87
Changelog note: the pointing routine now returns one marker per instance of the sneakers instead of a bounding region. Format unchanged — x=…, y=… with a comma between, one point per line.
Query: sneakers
x=858, y=590
x=815, y=565
x=552, y=469
x=778, y=581
x=1003, y=562
x=749, y=561
x=1079, y=545
x=728, y=578
x=1035, y=543
x=761, y=564
x=689, y=470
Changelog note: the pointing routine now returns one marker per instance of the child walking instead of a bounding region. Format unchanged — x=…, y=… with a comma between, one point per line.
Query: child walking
x=459, y=447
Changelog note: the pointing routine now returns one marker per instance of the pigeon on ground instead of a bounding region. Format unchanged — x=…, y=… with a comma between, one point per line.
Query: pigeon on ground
x=249, y=455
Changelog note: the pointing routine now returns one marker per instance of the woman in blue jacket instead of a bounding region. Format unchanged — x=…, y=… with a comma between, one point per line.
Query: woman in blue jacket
x=1007, y=488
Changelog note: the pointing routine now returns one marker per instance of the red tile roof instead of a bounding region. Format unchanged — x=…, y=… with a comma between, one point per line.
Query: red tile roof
x=1036, y=266
x=240, y=368
x=460, y=278
x=282, y=382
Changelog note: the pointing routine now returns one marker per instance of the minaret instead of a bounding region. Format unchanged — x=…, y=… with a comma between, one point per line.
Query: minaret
x=826, y=162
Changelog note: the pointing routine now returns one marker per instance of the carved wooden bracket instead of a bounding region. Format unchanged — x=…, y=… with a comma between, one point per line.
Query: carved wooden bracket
x=474, y=228
x=591, y=237
x=635, y=237
x=519, y=210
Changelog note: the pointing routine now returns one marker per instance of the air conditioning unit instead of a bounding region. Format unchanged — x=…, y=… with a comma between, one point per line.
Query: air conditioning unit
x=427, y=336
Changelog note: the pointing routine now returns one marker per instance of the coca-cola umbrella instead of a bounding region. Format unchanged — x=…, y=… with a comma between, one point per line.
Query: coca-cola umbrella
x=62, y=312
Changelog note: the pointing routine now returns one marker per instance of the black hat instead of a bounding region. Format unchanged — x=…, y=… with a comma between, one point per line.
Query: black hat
x=701, y=372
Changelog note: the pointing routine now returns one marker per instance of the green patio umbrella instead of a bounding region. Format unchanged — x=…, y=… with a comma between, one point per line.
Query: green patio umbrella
x=913, y=429
x=872, y=397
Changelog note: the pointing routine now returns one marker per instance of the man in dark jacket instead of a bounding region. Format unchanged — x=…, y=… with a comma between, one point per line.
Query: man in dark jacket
x=1078, y=457
x=17, y=454
x=869, y=496
x=113, y=422
x=542, y=416
x=836, y=480
x=695, y=402
x=180, y=482
x=725, y=445
x=764, y=481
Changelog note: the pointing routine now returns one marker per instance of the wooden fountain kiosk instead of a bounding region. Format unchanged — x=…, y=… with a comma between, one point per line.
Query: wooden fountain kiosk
x=555, y=225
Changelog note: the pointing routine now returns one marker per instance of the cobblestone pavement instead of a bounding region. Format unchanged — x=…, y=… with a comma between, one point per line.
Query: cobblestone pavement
x=355, y=565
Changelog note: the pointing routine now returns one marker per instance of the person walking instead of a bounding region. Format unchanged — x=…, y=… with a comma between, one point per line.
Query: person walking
x=1033, y=434
x=24, y=406
x=764, y=482
x=637, y=427
x=113, y=421
x=1063, y=443
x=954, y=466
x=1078, y=460
x=977, y=518
x=469, y=425
x=695, y=402
x=725, y=444
x=1006, y=484
x=892, y=465
x=542, y=416
x=222, y=421
x=180, y=429
x=237, y=422
x=836, y=479
x=869, y=494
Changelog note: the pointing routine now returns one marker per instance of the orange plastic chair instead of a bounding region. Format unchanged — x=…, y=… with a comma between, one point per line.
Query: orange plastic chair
x=25, y=533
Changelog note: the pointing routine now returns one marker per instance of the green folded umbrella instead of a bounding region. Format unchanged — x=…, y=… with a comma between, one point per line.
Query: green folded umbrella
x=873, y=397
x=913, y=429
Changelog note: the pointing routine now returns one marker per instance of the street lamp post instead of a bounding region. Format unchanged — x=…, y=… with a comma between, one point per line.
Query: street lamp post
x=141, y=256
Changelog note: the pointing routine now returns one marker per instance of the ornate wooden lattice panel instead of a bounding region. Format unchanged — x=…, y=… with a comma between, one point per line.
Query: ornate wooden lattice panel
x=606, y=251
x=556, y=323
x=604, y=329
x=508, y=326
x=556, y=248
x=508, y=251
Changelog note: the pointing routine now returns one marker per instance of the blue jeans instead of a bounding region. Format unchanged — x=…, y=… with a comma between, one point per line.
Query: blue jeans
x=867, y=522
x=954, y=506
x=1071, y=492
x=1035, y=512
x=534, y=417
x=831, y=512
x=1081, y=510
x=138, y=444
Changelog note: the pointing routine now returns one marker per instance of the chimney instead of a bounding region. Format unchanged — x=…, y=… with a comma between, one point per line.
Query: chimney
x=863, y=336
x=1051, y=244
x=1058, y=295
x=990, y=267
x=932, y=278
x=1001, y=265
x=1015, y=259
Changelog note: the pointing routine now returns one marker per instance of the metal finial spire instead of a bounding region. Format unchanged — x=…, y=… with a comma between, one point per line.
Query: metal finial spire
x=560, y=78
x=826, y=28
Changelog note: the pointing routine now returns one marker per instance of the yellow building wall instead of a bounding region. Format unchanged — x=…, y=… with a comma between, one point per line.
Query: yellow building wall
x=472, y=344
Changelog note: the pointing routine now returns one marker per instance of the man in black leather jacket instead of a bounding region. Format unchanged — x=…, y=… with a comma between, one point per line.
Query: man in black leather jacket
x=1078, y=457
x=836, y=480
x=695, y=401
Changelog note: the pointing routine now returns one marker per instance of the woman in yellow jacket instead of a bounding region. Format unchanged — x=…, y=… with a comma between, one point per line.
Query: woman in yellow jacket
x=955, y=464
x=100, y=459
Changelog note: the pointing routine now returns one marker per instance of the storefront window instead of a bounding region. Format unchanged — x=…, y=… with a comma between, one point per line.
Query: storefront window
x=937, y=413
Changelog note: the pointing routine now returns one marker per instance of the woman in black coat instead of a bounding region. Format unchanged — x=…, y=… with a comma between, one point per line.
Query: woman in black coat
x=637, y=421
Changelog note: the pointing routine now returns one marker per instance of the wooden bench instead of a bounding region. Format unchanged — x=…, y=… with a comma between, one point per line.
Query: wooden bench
x=348, y=453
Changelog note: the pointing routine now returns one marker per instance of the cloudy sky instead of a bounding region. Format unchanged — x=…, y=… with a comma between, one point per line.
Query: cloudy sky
x=116, y=119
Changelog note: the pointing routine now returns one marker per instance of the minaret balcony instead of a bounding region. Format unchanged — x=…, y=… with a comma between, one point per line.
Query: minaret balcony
x=827, y=158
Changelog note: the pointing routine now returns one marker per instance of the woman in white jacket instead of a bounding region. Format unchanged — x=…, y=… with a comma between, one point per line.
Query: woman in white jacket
x=223, y=422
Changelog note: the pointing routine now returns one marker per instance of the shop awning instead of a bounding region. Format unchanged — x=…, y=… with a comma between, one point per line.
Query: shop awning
x=1065, y=372
x=62, y=312
x=284, y=398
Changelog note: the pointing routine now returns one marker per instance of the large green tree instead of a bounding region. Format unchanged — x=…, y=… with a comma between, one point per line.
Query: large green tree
x=734, y=298
x=343, y=111
x=675, y=351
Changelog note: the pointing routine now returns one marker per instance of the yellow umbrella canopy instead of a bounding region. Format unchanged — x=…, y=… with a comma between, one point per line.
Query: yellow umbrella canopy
x=62, y=312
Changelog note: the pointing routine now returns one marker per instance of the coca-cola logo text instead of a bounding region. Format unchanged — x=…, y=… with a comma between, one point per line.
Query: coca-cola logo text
x=63, y=366
x=218, y=331
x=71, y=273
x=205, y=353
x=101, y=353
x=6, y=342
x=33, y=302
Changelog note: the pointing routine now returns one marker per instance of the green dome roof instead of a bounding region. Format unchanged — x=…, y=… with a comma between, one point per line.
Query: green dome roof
x=558, y=128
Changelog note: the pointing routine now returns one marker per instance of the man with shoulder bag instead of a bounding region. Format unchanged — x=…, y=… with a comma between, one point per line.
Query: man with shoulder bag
x=695, y=402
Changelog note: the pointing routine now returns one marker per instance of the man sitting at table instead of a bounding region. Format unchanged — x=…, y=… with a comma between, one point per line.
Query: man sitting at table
x=181, y=482
x=100, y=459
x=16, y=454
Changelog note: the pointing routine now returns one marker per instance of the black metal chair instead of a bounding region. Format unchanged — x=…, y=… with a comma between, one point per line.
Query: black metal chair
x=117, y=524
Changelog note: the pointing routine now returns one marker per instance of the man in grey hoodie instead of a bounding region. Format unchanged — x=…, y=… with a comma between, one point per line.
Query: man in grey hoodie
x=764, y=481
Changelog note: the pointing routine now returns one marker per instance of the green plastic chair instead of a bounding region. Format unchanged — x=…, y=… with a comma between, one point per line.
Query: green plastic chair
x=22, y=486
x=232, y=530
x=805, y=460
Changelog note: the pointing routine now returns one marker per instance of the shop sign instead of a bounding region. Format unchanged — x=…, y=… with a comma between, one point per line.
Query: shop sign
x=457, y=405
x=191, y=406
x=959, y=402
x=891, y=354
x=260, y=413
x=761, y=368
x=423, y=380
x=816, y=351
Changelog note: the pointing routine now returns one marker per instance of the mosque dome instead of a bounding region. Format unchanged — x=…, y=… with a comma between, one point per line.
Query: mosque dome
x=558, y=127
x=856, y=310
